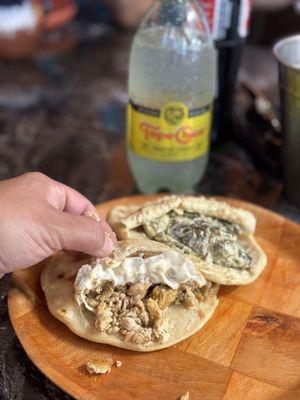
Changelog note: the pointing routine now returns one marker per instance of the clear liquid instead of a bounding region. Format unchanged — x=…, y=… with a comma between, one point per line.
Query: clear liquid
x=167, y=65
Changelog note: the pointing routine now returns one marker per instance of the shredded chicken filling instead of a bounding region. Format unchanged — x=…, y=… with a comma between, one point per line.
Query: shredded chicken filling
x=138, y=311
x=212, y=239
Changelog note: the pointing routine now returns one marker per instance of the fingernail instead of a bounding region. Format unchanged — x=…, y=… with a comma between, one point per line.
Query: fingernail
x=113, y=236
x=105, y=226
x=107, y=229
x=108, y=245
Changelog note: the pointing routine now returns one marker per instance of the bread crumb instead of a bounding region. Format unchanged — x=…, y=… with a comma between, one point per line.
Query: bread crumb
x=118, y=363
x=62, y=312
x=93, y=215
x=100, y=366
x=185, y=396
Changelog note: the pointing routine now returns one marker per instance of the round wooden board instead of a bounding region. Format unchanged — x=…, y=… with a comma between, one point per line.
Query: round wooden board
x=250, y=349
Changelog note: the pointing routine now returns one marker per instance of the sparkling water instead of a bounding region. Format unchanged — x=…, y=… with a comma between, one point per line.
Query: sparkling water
x=170, y=64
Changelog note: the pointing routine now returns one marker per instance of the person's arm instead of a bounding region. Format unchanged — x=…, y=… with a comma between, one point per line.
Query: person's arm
x=39, y=216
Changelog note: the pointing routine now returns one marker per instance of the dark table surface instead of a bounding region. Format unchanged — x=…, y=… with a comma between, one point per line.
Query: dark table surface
x=64, y=116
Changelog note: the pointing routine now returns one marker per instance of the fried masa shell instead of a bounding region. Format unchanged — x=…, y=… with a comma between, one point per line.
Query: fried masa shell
x=128, y=223
x=57, y=280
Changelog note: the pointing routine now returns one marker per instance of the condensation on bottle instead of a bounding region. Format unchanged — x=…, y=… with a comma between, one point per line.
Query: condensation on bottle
x=172, y=77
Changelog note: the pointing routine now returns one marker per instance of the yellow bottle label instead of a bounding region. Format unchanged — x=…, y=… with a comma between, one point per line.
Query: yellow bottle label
x=173, y=133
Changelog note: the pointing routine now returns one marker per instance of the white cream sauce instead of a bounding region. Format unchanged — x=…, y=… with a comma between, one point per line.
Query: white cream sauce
x=168, y=268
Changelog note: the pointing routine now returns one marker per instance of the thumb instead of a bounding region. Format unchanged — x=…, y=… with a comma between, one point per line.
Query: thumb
x=82, y=233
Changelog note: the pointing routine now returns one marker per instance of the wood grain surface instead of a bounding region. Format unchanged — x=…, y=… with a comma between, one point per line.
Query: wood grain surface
x=249, y=350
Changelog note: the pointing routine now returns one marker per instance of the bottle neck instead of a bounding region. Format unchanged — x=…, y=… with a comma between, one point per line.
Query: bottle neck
x=187, y=14
x=174, y=10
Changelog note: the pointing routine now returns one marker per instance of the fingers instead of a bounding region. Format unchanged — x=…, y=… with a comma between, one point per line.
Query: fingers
x=69, y=200
x=73, y=202
x=71, y=228
x=81, y=233
x=107, y=229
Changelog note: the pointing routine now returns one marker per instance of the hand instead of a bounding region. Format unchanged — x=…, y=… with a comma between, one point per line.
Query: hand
x=39, y=216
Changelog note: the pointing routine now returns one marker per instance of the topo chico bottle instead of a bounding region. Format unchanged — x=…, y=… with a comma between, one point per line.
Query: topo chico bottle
x=171, y=89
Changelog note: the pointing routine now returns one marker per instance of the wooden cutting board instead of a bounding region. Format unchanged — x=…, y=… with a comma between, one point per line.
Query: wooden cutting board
x=249, y=350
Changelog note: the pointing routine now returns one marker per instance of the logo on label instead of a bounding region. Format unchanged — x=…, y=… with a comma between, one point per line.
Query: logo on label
x=182, y=136
x=174, y=113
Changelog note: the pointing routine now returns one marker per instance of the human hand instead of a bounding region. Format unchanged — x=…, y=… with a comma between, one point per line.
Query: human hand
x=39, y=216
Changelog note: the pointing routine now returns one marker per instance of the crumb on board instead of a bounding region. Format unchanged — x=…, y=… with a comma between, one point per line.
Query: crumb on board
x=100, y=366
x=118, y=363
x=62, y=312
x=185, y=396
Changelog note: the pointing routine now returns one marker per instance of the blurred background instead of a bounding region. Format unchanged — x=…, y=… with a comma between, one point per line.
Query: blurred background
x=63, y=96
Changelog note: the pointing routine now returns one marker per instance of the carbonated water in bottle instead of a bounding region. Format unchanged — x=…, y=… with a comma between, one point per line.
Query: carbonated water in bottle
x=171, y=89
